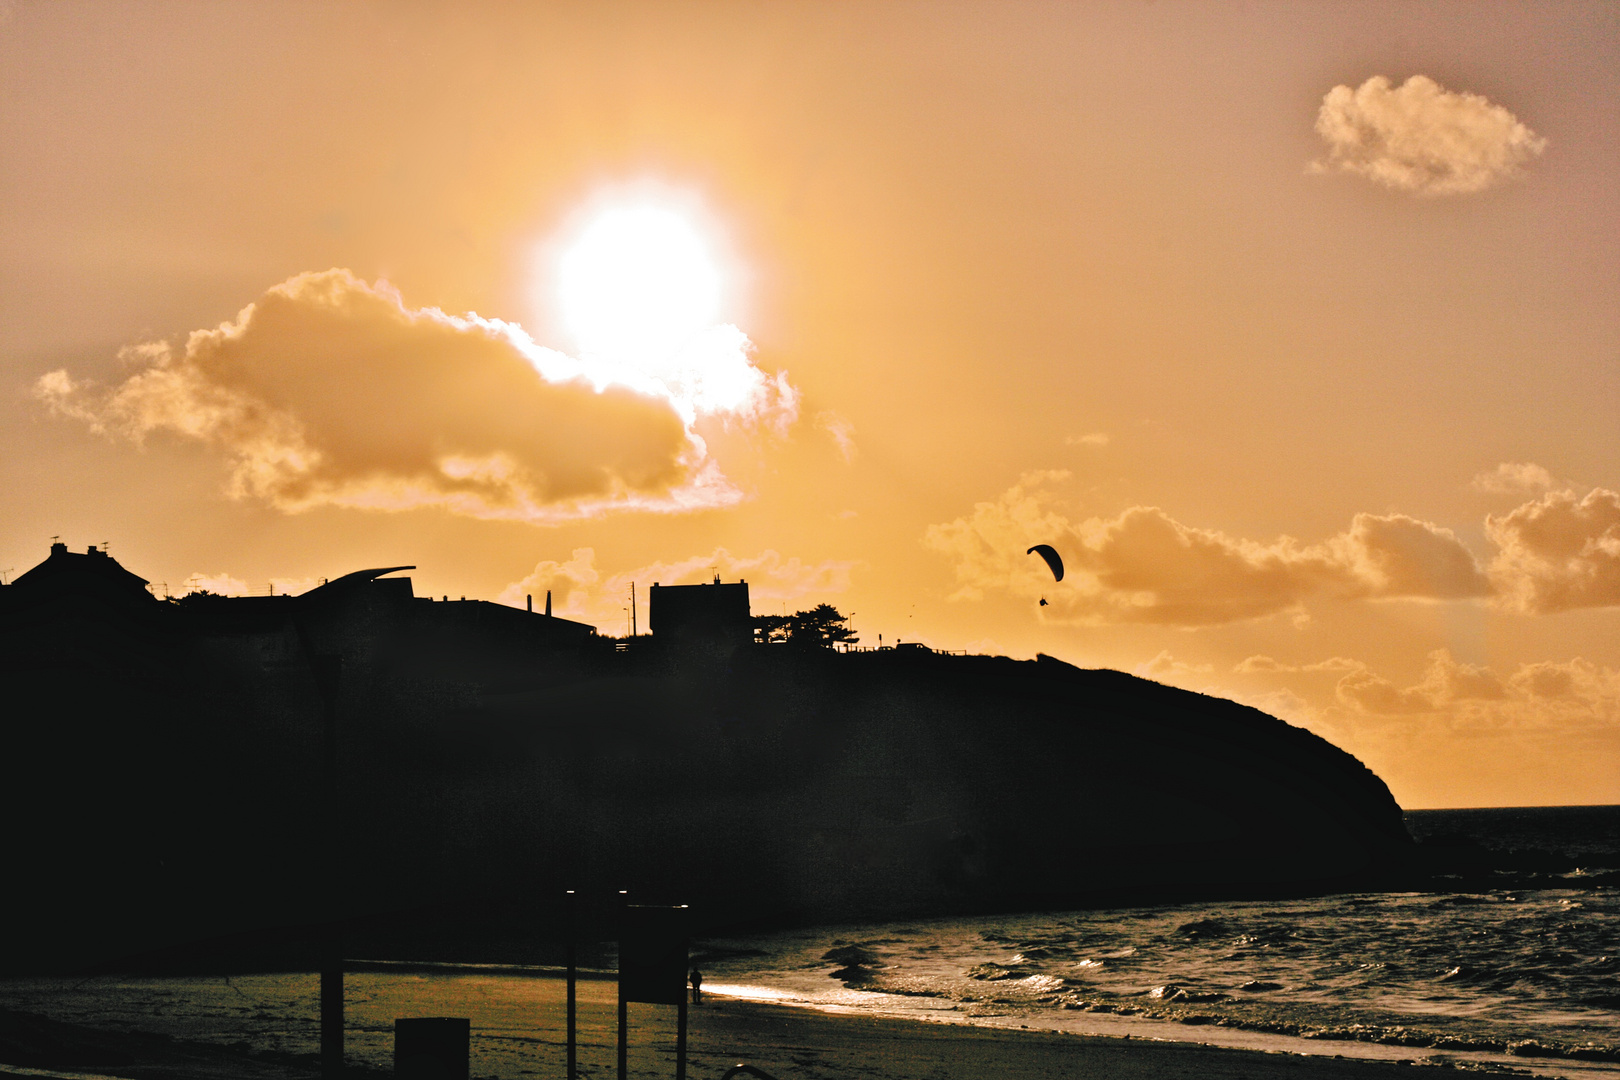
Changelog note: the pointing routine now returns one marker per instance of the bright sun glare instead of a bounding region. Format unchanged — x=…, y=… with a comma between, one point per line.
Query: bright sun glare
x=636, y=284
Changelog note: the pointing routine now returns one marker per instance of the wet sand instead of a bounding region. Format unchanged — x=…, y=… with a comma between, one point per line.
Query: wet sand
x=797, y=1043
x=789, y=1043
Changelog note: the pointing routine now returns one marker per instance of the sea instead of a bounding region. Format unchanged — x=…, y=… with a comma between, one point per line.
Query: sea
x=1512, y=967
x=1517, y=965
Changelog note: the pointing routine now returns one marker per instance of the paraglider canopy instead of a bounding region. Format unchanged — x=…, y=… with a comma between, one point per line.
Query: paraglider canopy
x=1053, y=560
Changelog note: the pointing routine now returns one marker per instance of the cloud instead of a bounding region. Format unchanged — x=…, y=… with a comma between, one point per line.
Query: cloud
x=224, y=584
x=1558, y=553
x=1571, y=695
x=1167, y=666
x=1095, y=438
x=221, y=584
x=1143, y=566
x=1422, y=138
x=580, y=591
x=1265, y=664
x=1445, y=683
x=841, y=431
x=331, y=391
x=1513, y=478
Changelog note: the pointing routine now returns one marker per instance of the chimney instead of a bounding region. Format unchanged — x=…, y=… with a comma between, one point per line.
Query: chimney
x=548, y=601
x=528, y=602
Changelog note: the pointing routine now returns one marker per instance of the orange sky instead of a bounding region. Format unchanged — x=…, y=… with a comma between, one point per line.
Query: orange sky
x=1316, y=389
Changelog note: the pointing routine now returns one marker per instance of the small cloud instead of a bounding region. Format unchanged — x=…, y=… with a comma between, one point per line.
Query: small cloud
x=581, y=591
x=841, y=431
x=1335, y=663
x=1266, y=665
x=228, y=585
x=1284, y=704
x=220, y=584
x=846, y=515
x=571, y=584
x=1513, y=478
x=1558, y=553
x=1422, y=138
x=1166, y=665
x=1095, y=438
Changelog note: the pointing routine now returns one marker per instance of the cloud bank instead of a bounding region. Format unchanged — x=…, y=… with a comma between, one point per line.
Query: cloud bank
x=1570, y=695
x=332, y=391
x=1143, y=566
x=1422, y=138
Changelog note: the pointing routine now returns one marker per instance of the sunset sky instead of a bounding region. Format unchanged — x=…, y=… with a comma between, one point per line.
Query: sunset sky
x=1295, y=328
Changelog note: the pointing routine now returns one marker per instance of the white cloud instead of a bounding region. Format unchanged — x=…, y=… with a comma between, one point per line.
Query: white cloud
x=221, y=584
x=1095, y=438
x=841, y=431
x=224, y=584
x=1422, y=138
x=1165, y=665
x=331, y=391
x=1558, y=552
x=1265, y=664
x=1513, y=478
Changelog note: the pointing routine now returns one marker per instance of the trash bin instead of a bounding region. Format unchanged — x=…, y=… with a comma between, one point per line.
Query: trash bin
x=431, y=1047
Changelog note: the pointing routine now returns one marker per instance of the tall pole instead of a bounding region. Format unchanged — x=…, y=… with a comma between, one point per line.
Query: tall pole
x=680, y=1039
x=328, y=669
x=573, y=932
x=624, y=1011
x=632, y=609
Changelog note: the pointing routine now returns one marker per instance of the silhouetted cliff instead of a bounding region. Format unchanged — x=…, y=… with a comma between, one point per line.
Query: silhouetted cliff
x=163, y=773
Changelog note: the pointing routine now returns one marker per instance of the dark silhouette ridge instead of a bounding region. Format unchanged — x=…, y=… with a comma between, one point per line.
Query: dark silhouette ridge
x=162, y=774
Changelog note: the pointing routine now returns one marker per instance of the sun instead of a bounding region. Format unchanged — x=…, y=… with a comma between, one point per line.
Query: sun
x=636, y=283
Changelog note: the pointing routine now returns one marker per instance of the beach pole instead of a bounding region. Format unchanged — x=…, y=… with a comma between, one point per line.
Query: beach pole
x=329, y=669
x=573, y=931
x=680, y=1039
x=624, y=1011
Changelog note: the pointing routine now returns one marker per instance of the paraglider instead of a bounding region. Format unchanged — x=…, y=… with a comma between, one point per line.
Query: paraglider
x=1053, y=560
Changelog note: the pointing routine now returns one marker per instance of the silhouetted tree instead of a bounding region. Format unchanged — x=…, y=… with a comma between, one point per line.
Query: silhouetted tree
x=822, y=626
x=770, y=629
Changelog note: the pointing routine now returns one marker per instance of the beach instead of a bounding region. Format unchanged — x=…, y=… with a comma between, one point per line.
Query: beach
x=519, y=1025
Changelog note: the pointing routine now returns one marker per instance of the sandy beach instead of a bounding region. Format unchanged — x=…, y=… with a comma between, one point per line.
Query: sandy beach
x=527, y=1039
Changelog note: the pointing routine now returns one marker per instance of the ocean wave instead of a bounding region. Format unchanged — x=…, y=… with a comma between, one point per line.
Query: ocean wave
x=1473, y=970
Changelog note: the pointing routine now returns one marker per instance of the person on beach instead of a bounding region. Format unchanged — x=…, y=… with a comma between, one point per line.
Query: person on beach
x=697, y=987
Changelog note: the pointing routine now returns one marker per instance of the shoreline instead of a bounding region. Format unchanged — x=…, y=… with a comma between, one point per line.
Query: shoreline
x=519, y=1029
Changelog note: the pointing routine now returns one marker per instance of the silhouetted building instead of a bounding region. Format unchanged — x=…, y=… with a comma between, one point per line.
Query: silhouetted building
x=64, y=572
x=712, y=614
